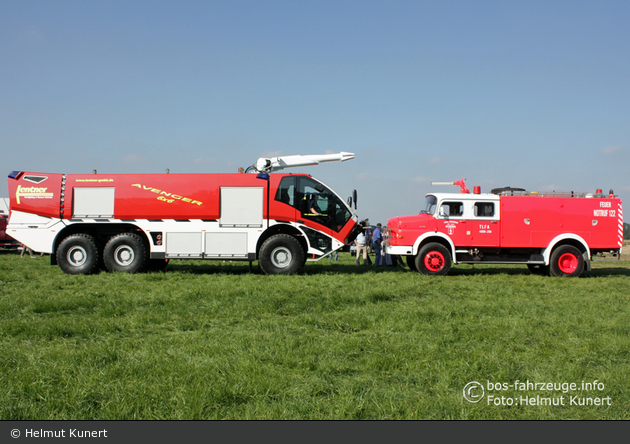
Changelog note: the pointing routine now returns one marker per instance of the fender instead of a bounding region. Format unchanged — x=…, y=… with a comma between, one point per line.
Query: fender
x=423, y=237
x=564, y=236
x=302, y=231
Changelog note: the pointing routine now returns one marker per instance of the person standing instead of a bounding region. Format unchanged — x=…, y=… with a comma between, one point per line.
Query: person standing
x=26, y=249
x=361, y=242
x=377, y=242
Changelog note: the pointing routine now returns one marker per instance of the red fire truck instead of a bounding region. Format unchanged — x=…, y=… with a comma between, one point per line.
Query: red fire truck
x=129, y=222
x=555, y=233
x=5, y=239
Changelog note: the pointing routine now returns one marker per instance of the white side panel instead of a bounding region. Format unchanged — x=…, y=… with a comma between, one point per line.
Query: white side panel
x=183, y=244
x=226, y=244
x=93, y=202
x=241, y=207
x=20, y=218
x=36, y=232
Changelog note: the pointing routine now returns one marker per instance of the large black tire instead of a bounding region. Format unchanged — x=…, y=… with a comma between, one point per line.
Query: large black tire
x=566, y=261
x=281, y=254
x=125, y=252
x=77, y=254
x=411, y=263
x=433, y=259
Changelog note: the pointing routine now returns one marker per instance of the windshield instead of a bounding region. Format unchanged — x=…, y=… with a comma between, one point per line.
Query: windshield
x=431, y=204
x=315, y=201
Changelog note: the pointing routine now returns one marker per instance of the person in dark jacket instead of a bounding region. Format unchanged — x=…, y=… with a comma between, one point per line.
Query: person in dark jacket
x=377, y=244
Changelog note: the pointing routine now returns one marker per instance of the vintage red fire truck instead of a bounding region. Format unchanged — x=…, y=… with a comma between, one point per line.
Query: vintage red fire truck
x=556, y=233
x=129, y=222
x=5, y=239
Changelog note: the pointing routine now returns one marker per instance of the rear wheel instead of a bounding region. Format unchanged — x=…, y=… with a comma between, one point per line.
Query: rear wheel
x=566, y=260
x=281, y=254
x=433, y=259
x=77, y=254
x=125, y=252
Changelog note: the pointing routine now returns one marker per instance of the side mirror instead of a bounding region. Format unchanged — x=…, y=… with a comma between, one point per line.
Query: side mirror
x=354, y=197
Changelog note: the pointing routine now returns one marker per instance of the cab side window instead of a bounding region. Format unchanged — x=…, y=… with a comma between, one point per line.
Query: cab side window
x=452, y=209
x=286, y=191
x=484, y=209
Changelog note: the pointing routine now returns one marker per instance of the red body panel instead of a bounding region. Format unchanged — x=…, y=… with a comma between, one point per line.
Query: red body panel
x=483, y=233
x=457, y=230
x=36, y=193
x=163, y=196
x=534, y=221
x=406, y=229
x=530, y=221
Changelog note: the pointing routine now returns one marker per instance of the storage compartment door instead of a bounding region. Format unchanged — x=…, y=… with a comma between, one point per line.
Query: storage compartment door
x=93, y=202
x=183, y=245
x=228, y=245
x=241, y=207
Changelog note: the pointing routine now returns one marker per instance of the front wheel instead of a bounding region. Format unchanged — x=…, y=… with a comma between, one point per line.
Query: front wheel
x=77, y=254
x=281, y=254
x=566, y=261
x=411, y=263
x=125, y=252
x=433, y=259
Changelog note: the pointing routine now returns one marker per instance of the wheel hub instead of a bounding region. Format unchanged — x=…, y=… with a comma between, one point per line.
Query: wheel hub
x=77, y=256
x=434, y=260
x=124, y=255
x=567, y=263
x=281, y=257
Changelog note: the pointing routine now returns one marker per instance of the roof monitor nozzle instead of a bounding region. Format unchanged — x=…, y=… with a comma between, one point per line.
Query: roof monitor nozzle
x=268, y=165
x=459, y=183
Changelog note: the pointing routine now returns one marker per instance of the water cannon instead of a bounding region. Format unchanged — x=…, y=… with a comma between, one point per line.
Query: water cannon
x=458, y=183
x=270, y=164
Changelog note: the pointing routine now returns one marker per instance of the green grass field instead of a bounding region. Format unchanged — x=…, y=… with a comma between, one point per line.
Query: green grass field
x=210, y=340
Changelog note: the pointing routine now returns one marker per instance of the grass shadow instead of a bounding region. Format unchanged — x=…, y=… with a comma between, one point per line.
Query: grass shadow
x=489, y=270
x=7, y=250
x=212, y=267
x=608, y=271
x=346, y=267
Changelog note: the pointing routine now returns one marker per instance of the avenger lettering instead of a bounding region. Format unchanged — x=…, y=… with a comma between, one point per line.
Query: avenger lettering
x=162, y=193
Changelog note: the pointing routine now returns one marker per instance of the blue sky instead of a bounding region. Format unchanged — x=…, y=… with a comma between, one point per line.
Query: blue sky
x=531, y=94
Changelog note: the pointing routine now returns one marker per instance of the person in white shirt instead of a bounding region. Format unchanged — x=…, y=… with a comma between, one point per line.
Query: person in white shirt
x=361, y=242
